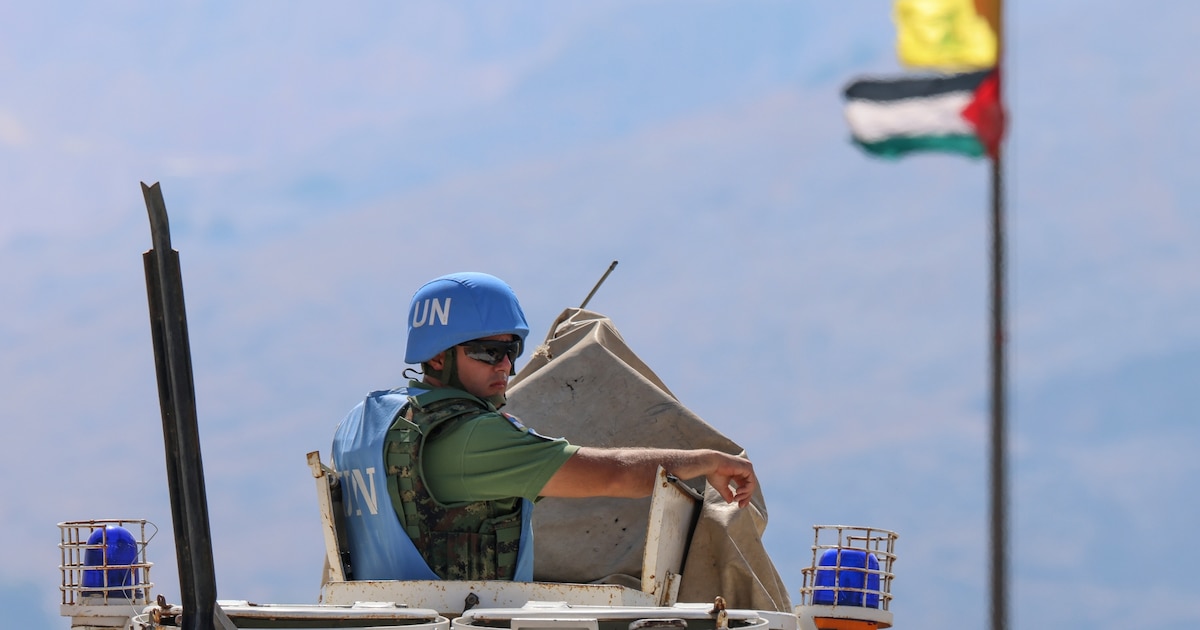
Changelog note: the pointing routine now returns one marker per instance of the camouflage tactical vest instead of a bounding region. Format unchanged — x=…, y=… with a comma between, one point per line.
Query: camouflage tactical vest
x=462, y=541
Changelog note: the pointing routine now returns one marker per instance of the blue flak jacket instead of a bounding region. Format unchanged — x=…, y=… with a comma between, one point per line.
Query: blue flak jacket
x=380, y=549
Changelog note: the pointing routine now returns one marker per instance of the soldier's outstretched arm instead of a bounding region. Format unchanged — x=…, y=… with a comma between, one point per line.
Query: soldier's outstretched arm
x=629, y=472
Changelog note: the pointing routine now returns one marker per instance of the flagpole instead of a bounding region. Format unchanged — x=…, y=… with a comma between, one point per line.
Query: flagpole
x=998, y=454
x=999, y=475
x=985, y=113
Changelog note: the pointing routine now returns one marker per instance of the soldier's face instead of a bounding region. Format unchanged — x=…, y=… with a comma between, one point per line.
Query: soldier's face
x=478, y=377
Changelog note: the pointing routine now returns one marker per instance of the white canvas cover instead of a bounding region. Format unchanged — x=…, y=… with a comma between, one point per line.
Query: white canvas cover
x=585, y=384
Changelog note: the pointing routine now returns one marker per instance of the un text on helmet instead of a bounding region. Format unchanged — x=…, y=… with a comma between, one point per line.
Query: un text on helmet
x=431, y=308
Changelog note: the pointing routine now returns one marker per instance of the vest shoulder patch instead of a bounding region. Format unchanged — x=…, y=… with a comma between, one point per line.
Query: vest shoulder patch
x=515, y=421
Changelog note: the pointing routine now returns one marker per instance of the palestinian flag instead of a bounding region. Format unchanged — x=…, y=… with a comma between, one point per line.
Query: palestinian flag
x=959, y=113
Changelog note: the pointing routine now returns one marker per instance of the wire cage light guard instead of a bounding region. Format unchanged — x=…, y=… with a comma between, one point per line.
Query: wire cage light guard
x=104, y=562
x=850, y=566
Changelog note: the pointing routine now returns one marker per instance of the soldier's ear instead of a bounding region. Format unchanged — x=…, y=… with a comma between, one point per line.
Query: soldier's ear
x=438, y=361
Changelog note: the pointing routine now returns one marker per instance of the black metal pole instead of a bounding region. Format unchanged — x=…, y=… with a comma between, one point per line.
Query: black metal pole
x=999, y=430
x=998, y=455
x=181, y=435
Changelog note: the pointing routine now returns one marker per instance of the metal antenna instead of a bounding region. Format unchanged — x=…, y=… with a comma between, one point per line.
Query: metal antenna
x=181, y=434
x=600, y=282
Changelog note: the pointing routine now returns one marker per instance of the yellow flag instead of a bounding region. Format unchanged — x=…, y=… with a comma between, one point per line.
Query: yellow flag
x=945, y=34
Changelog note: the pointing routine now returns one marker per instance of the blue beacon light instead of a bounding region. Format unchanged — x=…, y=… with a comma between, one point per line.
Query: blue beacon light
x=112, y=548
x=848, y=569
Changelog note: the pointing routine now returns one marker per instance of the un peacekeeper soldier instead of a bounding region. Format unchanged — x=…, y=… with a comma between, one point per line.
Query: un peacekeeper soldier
x=439, y=483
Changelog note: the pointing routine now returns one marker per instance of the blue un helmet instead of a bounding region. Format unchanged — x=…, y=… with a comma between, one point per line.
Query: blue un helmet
x=460, y=307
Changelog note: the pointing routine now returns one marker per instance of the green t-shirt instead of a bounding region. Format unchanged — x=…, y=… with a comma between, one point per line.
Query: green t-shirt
x=489, y=458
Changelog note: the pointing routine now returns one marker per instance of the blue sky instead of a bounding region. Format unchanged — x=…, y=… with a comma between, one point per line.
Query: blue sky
x=825, y=310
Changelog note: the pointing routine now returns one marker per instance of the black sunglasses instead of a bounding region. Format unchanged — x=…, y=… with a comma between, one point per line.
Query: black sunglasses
x=492, y=352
